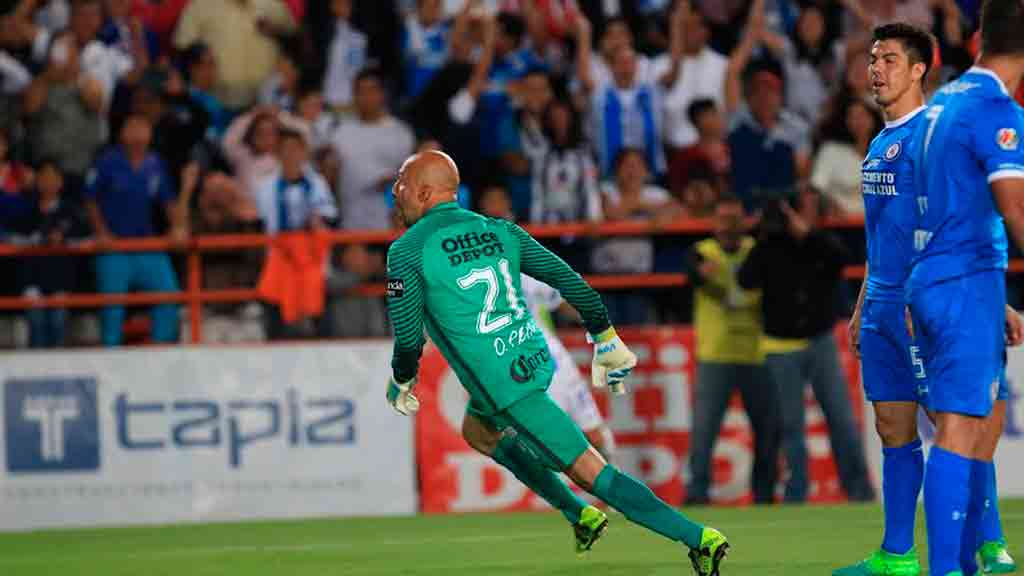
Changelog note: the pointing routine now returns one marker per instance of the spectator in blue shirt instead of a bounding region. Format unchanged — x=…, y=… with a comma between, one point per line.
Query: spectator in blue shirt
x=294, y=197
x=769, y=145
x=200, y=69
x=511, y=64
x=425, y=46
x=122, y=190
x=122, y=28
x=51, y=220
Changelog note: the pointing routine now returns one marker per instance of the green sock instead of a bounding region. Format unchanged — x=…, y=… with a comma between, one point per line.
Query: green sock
x=640, y=505
x=541, y=480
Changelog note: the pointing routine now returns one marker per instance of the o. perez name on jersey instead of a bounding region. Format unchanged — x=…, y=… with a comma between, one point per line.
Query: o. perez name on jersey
x=471, y=246
x=879, y=183
x=513, y=339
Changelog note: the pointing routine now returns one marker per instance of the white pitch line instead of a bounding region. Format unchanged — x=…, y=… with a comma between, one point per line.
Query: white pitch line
x=313, y=547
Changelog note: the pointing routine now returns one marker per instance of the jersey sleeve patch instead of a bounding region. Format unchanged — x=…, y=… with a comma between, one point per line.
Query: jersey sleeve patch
x=395, y=288
x=1007, y=139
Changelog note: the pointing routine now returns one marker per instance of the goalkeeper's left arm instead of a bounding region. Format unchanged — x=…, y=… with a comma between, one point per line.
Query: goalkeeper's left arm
x=612, y=360
x=405, y=307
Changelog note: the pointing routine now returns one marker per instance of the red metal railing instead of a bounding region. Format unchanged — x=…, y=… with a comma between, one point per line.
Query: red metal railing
x=194, y=296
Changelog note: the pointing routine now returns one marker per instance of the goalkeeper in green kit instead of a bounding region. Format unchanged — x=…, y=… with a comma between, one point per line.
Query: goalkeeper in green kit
x=456, y=273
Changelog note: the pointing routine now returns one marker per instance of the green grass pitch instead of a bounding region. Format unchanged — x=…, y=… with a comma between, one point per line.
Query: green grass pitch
x=766, y=541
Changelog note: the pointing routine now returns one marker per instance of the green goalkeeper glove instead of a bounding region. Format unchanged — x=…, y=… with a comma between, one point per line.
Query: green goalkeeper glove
x=401, y=398
x=612, y=361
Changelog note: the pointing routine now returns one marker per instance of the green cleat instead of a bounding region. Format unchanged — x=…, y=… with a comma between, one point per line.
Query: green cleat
x=882, y=563
x=591, y=526
x=995, y=559
x=713, y=548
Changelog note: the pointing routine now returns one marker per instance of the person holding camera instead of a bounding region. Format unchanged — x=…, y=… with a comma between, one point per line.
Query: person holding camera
x=798, y=268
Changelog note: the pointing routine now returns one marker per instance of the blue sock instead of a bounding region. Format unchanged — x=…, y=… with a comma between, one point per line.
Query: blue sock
x=991, y=527
x=902, y=475
x=971, y=538
x=946, y=494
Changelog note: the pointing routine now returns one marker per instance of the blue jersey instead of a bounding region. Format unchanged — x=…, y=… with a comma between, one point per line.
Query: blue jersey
x=890, y=207
x=970, y=138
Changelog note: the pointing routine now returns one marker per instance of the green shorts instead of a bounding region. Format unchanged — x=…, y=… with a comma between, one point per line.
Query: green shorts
x=541, y=428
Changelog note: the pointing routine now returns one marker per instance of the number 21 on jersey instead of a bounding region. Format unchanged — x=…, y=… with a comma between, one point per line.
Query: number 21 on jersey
x=486, y=321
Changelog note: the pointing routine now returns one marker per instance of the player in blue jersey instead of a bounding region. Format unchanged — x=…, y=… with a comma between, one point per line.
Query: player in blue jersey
x=970, y=175
x=892, y=369
x=899, y=61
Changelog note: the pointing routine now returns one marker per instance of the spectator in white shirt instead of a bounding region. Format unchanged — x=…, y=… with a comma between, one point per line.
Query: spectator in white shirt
x=837, y=166
x=251, y=142
x=630, y=197
x=372, y=147
x=701, y=75
x=626, y=112
x=346, y=56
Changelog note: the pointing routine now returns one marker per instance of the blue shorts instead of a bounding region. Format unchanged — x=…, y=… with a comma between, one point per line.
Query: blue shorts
x=960, y=328
x=891, y=367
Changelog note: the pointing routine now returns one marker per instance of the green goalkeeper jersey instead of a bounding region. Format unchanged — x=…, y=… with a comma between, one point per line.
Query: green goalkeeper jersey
x=456, y=273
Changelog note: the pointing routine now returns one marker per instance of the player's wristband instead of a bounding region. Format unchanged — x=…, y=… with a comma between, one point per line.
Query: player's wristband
x=602, y=337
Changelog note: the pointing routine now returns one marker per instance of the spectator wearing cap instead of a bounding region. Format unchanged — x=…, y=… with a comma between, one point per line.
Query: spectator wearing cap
x=521, y=139
x=122, y=190
x=770, y=146
x=626, y=111
x=346, y=56
x=240, y=34
x=371, y=147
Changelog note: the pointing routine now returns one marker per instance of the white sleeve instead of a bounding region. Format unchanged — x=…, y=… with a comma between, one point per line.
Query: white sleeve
x=323, y=201
x=41, y=45
x=14, y=76
x=461, y=107
x=592, y=196
x=264, y=198
x=538, y=294
x=821, y=168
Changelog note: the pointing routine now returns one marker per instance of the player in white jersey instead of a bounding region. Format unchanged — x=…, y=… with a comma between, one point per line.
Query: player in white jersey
x=568, y=388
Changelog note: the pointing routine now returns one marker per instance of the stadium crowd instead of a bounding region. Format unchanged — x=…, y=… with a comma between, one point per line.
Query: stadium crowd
x=133, y=118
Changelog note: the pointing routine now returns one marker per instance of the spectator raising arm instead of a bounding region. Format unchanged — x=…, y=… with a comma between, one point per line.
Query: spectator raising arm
x=584, y=53
x=462, y=106
x=740, y=57
x=677, y=43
